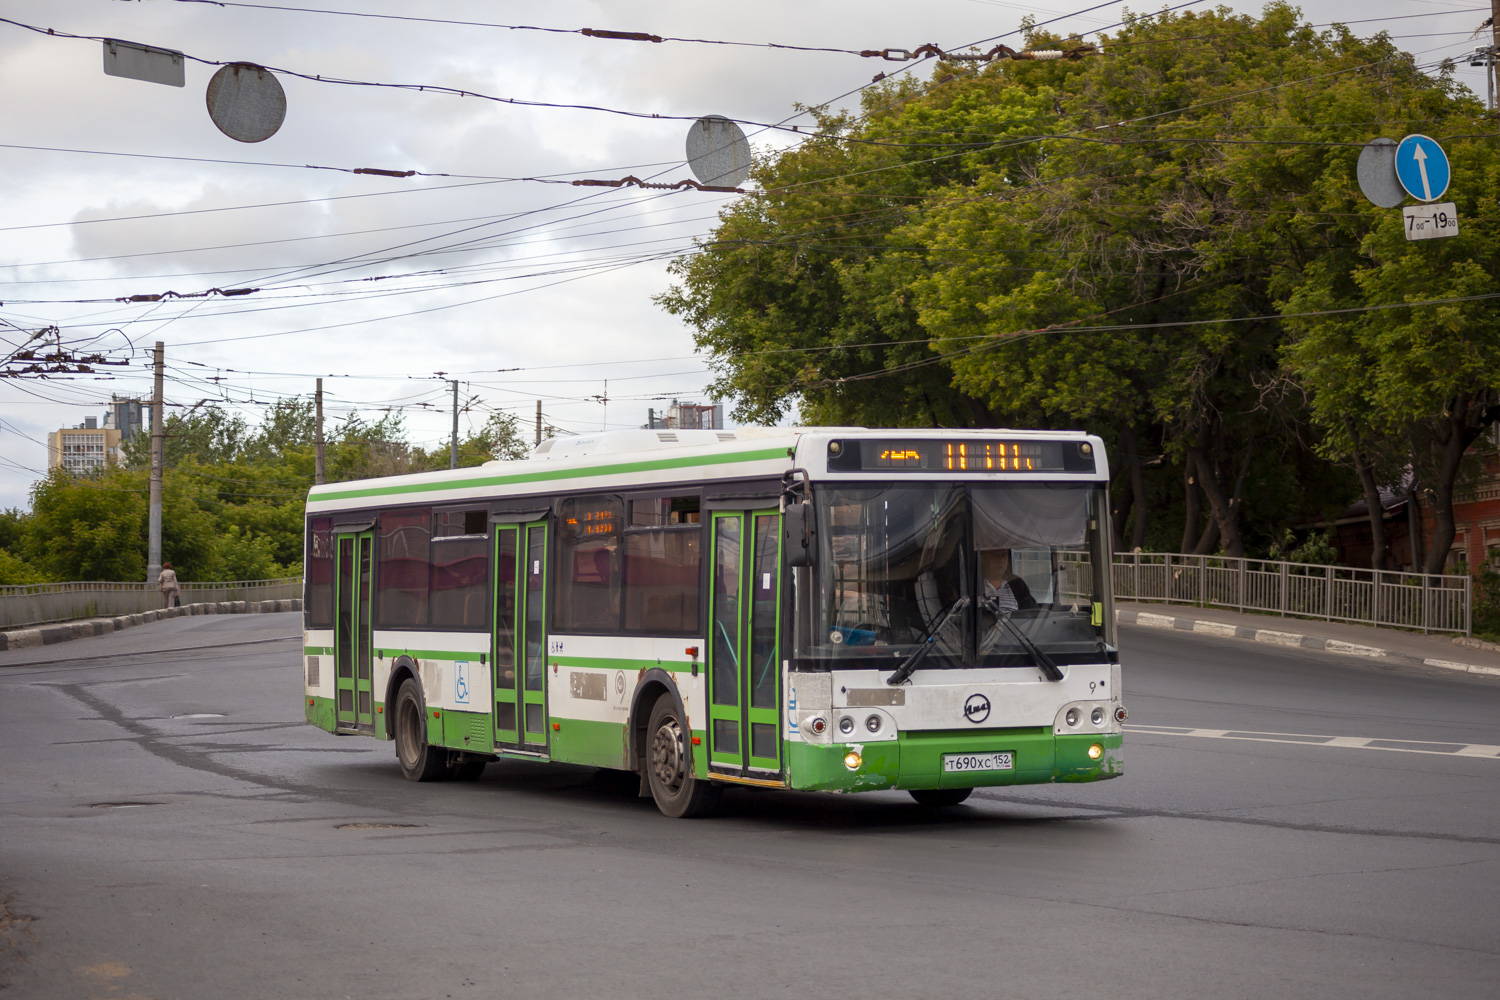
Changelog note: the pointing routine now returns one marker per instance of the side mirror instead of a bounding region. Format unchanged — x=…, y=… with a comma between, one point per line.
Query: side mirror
x=799, y=534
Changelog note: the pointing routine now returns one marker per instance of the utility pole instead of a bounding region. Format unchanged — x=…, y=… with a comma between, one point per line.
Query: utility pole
x=1494, y=80
x=319, y=477
x=158, y=436
x=539, y=421
x=453, y=445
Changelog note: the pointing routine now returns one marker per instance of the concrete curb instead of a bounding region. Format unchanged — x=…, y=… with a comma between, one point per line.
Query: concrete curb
x=46, y=635
x=1277, y=638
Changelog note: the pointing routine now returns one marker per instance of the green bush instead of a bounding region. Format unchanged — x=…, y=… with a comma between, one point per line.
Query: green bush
x=1487, y=605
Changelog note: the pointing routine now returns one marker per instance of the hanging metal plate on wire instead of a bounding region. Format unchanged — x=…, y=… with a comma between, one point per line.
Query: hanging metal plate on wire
x=1377, y=173
x=135, y=61
x=246, y=102
x=718, y=152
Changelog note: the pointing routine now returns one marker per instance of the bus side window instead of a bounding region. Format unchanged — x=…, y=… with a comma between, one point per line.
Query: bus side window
x=319, y=572
x=403, y=564
x=459, y=591
x=589, y=558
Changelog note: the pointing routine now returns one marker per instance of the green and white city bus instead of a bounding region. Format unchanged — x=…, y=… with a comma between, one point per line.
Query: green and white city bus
x=807, y=608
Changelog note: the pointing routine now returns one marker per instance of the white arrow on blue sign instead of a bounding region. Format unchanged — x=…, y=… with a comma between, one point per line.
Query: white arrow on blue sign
x=1422, y=168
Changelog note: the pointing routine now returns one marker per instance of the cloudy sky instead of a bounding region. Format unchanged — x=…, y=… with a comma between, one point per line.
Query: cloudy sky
x=522, y=290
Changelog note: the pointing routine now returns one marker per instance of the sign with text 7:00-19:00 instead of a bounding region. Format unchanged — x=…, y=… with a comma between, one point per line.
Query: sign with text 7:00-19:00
x=1430, y=222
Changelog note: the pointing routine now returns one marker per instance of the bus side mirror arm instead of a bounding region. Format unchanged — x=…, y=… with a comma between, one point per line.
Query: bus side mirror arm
x=799, y=534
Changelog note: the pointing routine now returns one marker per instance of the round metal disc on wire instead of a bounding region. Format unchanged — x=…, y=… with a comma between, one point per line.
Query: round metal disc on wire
x=1377, y=173
x=246, y=102
x=718, y=152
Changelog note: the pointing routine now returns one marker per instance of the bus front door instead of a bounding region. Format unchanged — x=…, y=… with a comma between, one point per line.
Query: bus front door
x=520, y=639
x=352, y=653
x=744, y=649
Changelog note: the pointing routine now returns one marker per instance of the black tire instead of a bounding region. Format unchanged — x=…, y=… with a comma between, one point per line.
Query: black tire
x=466, y=770
x=938, y=798
x=418, y=760
x=677, y=793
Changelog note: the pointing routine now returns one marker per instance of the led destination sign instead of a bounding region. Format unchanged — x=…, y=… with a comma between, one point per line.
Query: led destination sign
x=959, y=455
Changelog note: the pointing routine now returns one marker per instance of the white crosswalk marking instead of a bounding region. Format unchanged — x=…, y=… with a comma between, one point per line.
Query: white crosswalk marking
x=1448, y=748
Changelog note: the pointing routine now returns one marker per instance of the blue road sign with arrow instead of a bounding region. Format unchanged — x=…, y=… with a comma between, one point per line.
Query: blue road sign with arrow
x=1422, y=168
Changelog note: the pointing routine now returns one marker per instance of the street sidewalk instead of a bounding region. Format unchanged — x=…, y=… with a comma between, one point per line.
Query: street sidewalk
x=1385, y=644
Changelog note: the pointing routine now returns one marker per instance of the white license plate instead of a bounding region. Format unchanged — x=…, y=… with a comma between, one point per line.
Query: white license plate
x=1004, y=761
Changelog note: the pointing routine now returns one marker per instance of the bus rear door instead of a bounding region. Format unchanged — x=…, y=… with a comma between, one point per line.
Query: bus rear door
x=353, y=556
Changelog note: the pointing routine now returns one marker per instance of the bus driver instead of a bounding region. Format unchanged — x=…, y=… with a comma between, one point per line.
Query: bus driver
x=1004, y=591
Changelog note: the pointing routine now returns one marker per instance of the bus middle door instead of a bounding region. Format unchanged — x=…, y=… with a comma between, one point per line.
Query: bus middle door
x=520, y=639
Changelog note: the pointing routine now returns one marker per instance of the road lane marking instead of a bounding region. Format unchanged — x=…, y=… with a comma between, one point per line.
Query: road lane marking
x=1442, y=748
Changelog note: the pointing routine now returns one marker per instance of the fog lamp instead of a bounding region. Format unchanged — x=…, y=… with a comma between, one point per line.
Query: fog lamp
x=852, y=760
x=1095, y=752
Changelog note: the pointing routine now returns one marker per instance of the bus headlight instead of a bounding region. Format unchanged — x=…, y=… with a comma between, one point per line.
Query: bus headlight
x=1097, y=716
x=1072, y=717
x=852, y=760
x=846, y=725
x=1096, y=751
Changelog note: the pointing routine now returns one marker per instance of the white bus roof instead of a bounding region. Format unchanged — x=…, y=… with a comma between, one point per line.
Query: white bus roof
x=635, y=459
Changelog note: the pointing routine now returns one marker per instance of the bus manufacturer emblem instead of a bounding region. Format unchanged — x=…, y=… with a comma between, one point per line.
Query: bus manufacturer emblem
x=977, y=708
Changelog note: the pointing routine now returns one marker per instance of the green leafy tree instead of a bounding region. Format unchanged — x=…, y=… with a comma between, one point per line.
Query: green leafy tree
x=207, y=435
x=88, y=528
x=499, y=437
x=1106, y=243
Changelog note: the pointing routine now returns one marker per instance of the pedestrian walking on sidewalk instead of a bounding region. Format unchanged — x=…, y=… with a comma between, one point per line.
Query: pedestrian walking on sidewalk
x=167, y=584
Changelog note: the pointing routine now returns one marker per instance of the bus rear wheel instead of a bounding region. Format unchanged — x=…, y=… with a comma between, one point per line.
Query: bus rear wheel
x=940, y=797
x=677, y=793
x=419, y=761
x=467, y=769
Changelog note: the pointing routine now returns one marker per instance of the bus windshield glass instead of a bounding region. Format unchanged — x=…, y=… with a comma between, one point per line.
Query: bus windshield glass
x=895, y=564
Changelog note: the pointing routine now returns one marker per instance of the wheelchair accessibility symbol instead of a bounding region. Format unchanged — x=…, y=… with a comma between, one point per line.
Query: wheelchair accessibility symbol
x=461, y=682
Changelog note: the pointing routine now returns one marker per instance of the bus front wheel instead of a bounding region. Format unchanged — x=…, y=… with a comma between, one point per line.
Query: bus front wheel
x=419, y=761
x=677, y=793
x=939, y=797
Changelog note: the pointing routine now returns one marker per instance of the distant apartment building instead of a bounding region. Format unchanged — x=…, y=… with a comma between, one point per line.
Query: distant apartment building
x=687, y=416
x=90, y=445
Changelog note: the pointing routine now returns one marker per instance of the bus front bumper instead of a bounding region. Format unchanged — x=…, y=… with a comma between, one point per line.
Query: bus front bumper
x=915, y=760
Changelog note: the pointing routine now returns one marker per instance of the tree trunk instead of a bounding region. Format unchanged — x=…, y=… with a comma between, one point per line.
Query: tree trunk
x=1120, y=507
x=1137, y=488
x=1208, y=542
x=1377, y=513
x=1225, y=509
x=1453, y=437
x=1192, y=508
x=1414, y=527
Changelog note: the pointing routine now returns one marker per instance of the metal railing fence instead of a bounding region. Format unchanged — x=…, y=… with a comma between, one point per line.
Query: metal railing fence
x=40, y=603
x=1431, y=602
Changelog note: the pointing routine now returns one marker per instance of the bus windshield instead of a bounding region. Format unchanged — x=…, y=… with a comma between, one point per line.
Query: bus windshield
x=984, y=574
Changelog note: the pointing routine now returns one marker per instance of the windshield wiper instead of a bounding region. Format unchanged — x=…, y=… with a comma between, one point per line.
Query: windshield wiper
x=1048, y=664
x=914, y=659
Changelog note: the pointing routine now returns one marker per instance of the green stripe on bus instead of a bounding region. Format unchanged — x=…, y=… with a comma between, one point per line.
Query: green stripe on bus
x=426, y=654
x=552, y=475
x=609, y=663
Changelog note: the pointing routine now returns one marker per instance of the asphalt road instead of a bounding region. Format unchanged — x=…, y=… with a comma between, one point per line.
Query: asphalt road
x=150, y=849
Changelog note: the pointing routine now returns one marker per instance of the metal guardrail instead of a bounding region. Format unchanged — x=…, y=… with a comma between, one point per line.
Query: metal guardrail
x=40, y=603
x=1430, y=602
